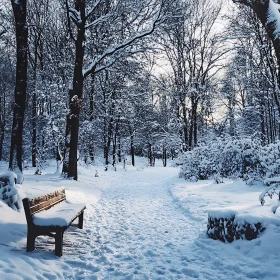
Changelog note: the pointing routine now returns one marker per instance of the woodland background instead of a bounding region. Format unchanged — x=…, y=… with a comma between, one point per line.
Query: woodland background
x=151, y=78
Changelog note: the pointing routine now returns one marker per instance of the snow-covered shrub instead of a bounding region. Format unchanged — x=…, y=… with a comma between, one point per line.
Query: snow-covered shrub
x=222, y=158
x=197, y=164
x=269, y=158
x=239, y=158
x=228, y=228
x=8, y=191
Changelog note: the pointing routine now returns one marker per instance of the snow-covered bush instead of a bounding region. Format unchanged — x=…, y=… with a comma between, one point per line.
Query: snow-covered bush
x=8, y=190
x=228, y=228
x=198, y=164
x=269, y=157
x=239, y=158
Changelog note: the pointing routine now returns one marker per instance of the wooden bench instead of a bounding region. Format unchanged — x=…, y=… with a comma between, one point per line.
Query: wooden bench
x=51, y=215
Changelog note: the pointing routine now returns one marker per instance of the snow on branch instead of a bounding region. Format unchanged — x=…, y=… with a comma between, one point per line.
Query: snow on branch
x=113, y=60
x=75, y=15
x=269, y=8
x=99, y=20
x=92, y=9
x=274, y=17
x=268, y=192
x=123, y=45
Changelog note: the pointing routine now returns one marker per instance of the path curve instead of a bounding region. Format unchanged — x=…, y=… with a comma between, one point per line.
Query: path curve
x=136, y=231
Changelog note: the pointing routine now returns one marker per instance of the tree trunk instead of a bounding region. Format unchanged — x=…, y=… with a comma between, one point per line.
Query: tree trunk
x=150, y=154
x=194, y=113
x=164, y=156
x=190, y=134
x=91, y=106
x=2, y=136
x=172, y=153
x=76, y=95
x=261, y=8
x=19, y=10
x=108, y=143
x=186, y=136
x=262, y=121
x=115, y=145
x=119, y=148
x=34, y=108
x=132, y=149
x=115, y=142
x=2, y=121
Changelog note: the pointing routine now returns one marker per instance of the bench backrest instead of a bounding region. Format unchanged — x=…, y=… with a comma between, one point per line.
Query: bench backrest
x=44, y=202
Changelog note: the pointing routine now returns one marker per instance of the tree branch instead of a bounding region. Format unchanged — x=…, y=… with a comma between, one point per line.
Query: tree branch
x=127, y=43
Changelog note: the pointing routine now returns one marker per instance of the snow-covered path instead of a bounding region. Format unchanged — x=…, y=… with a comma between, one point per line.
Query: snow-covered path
x=137, y=232
x=136, y=227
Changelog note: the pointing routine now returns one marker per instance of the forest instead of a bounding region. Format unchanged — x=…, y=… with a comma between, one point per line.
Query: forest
x=155, y=128
x=161, y=79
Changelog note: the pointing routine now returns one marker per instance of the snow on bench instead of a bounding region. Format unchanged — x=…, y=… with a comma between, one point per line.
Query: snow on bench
x=51, y=215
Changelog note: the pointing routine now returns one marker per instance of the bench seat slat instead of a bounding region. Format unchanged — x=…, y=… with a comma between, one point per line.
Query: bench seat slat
x=61, y=215
x=47, y=204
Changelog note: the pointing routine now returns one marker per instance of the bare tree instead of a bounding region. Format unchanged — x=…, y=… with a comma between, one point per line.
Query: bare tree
x=268, y=13
x=143, y=17
x=195, y=53
x=19, y=10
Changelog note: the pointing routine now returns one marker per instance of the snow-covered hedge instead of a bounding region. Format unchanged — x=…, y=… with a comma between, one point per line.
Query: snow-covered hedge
x=243, y=158
x=8, y=190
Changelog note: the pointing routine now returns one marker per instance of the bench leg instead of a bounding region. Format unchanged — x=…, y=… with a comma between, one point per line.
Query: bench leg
x=30, y=242
x=81, y=220
x=58, y=243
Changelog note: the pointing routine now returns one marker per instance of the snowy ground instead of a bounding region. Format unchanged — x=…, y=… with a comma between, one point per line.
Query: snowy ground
x=141, y=224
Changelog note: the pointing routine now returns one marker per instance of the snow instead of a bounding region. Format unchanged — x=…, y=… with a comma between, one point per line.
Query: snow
x=60, y=215
x=10, y=175
x=143, y=223
x=274, y=16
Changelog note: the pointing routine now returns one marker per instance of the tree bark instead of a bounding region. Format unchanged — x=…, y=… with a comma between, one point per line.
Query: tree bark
x=108, y=142
x=34, y=107
x=75, y=95
x=132, y=150
x=150, y=154
x=194, y=116
x=119, y=148
x=261, y=8
x=19, y=10
x=164, y=156
x=91, y=118
x=186, y=136
x=2, y=120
